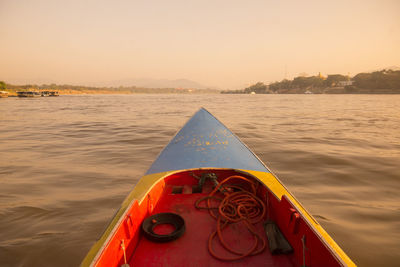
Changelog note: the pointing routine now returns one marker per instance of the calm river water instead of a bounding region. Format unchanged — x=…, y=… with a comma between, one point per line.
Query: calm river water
x=67, y=163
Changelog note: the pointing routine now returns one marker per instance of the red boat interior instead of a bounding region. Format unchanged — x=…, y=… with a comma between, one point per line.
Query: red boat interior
x=273, y=233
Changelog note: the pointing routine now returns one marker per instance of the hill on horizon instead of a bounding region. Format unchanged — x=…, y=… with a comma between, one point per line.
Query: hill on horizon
x=155, y=83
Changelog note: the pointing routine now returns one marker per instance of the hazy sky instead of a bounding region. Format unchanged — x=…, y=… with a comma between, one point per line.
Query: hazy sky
x=227, y=44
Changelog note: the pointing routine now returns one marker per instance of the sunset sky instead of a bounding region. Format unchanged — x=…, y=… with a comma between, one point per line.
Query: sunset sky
x=225, y=44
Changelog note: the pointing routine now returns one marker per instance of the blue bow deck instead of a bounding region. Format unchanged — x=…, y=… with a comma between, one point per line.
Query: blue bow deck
x=205, y=142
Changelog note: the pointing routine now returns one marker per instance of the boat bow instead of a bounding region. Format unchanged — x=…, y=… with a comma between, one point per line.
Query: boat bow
x=204, y=142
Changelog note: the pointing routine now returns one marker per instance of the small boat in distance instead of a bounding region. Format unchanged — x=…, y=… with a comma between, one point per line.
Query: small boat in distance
x=53, y=93
x=208, y=200
x=28, y=94
x=49, y=93
x=45, y=93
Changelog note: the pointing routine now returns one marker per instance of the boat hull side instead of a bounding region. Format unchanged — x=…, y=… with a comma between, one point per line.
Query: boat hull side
x=281, y=192
x=137, y=195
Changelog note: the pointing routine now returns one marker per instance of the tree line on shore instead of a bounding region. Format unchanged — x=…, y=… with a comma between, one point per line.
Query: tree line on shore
x=384, y=81
x=67, y=88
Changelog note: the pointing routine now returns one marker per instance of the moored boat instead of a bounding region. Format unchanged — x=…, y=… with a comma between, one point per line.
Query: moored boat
x=28, y=94
x=53, y=93
x=45, y=93
x=207, y=200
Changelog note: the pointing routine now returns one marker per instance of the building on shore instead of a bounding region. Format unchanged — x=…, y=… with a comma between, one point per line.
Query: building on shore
x=344, y=83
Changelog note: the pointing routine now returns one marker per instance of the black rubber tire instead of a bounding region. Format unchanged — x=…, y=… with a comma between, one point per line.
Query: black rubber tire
x=151, y=222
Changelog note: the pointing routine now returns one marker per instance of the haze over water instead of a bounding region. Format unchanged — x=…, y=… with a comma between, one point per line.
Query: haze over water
x=67, y=163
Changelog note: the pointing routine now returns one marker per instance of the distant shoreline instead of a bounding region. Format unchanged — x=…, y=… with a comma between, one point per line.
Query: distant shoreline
x=96, y=91
x=14, y=94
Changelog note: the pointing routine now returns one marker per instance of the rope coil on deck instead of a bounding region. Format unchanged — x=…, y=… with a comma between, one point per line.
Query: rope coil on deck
x=237, y=205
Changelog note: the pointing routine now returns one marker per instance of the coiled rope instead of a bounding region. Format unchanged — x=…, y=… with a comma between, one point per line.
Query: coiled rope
x=237, y=205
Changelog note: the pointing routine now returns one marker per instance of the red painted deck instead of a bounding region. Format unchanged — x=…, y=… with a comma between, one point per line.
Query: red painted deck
x=191, y=249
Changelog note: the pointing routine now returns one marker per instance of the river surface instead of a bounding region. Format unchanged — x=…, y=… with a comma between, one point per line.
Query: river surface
x=67, y=163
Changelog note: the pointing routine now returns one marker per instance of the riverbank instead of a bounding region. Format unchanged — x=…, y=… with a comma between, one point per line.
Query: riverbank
x=13, y=93
x=66, y=89
x=378, y=82
x=326, y=90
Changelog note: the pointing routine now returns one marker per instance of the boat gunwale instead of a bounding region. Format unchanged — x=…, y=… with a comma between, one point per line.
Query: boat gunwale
x=319, y=234
x=113, y=225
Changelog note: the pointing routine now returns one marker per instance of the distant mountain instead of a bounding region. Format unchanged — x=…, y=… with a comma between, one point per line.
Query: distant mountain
x=157, y=83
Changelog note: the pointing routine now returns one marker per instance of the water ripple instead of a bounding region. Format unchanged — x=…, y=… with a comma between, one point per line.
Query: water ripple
x=67, y=163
